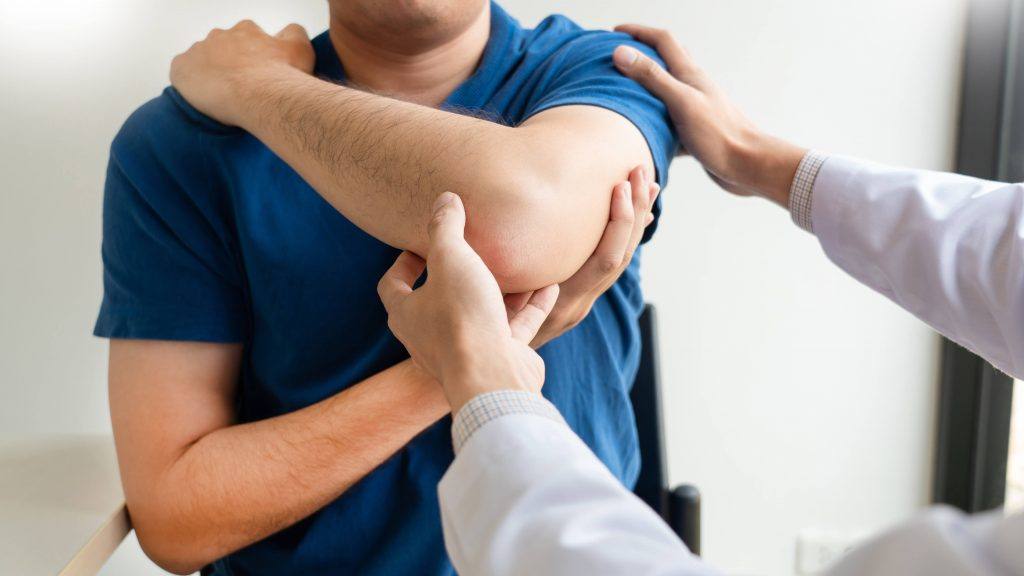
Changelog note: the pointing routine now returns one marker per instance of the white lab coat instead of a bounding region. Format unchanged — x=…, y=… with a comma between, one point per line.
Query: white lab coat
x=526, y=497
x=947, y=248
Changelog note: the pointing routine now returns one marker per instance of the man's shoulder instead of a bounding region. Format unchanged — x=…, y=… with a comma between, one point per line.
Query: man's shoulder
x=560, y=34
x=163, y=128
x=166, y=155
x=166, y=141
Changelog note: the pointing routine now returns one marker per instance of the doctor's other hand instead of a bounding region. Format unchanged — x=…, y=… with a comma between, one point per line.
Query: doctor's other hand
x=628, y=217
x=215, y=73
x=456, y=325
x=736, y=154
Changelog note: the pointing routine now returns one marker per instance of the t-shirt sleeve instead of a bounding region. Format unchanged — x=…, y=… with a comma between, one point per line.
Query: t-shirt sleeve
x=168, y=267
x=581, y=72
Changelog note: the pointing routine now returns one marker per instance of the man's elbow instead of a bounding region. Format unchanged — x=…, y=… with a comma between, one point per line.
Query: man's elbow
x=525, y=235
x=511, y=267
x=176, y=550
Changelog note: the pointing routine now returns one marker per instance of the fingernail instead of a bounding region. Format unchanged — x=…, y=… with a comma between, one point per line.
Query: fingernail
x=625, y=56
x=443, y=200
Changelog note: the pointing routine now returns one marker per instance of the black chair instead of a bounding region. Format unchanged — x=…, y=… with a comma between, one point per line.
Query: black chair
x=680, y=506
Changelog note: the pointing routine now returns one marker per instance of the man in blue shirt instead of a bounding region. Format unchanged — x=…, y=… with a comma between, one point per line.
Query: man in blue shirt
x=266, y=419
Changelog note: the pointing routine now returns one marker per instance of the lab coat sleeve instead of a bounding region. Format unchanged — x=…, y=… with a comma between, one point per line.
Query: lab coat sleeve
x=526, y=496
x=947, y=248
x=942, y=541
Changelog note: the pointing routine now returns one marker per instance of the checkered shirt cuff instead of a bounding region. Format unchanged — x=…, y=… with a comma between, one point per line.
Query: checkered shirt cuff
x=486, y=407
x=802, y=191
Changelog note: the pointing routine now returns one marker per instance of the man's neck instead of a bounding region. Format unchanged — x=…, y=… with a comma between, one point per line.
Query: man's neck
x=424, y=73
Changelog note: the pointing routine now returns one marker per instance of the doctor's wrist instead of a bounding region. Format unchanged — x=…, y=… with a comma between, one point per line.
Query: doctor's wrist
x=768, y=166
x=495, y=369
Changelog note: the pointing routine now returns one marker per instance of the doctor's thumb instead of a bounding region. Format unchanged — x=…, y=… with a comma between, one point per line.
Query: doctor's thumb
x=448, y=220
x=640, y=67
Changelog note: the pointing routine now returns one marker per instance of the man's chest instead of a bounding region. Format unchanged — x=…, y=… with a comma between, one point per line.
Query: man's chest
x=310, y=281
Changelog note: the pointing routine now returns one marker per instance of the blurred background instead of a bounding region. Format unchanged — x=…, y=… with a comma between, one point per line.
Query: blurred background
x=803, y=406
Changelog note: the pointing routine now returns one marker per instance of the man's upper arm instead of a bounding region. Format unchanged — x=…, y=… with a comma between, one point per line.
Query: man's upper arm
x=586, y=127
x=172, y=303
x=580, y=73
x=164, y=396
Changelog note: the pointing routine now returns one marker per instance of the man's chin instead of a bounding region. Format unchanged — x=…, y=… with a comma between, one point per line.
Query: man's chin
x=411, y=22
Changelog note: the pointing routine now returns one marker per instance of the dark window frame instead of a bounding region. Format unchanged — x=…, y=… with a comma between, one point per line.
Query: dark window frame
x=975, y=399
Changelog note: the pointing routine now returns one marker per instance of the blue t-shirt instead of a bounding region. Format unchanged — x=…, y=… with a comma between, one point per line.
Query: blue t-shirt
x=209, y=236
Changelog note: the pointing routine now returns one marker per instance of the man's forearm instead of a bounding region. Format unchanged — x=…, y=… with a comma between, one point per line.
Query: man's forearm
x=381, y=162
x=242, y=483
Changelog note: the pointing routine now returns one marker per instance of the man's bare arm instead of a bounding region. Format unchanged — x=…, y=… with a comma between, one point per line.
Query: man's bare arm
x=199, y=486
x=536, y=195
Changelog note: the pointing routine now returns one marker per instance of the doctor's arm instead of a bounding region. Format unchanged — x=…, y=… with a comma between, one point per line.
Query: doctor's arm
x=947, y=248
x=524, y=495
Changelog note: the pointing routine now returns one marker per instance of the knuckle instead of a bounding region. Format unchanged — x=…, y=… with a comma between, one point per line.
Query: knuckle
x=678, y=90
x=435, y=221
x=567, y=321
x=578, y=317
x=649, y=69
x=643, y=204
x=607, y=264
x=631, y=217
x=395, y=323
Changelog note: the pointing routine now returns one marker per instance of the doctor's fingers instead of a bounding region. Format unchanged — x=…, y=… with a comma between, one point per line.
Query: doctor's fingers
x=606, y=259
x=629, y=215
x=680, y=64
x=526, y=322
x=397, y=283
x=644, y=190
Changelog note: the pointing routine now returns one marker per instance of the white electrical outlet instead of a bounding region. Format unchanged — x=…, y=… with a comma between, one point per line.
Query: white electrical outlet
x=817, y=549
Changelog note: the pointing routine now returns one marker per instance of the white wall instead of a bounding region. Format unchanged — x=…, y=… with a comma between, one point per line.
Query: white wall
x=795, y=399
x=70, y=73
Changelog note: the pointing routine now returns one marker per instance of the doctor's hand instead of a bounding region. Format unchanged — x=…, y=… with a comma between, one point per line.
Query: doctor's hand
x=456, y=325
x=215, y=72
x=628, y=217
x=736, y=154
